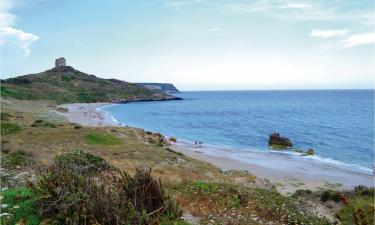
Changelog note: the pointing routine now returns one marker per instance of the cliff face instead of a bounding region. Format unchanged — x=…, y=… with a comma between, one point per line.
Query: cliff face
x=161, y=87
x=65, y=84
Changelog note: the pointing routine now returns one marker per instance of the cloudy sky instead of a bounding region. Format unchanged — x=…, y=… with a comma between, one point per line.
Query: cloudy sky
x=196, y=44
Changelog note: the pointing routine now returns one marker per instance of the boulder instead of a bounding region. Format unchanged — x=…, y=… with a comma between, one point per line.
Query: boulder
x=277, y=140
x=310, y=151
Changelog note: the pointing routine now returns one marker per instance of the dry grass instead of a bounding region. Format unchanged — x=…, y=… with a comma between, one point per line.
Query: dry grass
x=133, y=150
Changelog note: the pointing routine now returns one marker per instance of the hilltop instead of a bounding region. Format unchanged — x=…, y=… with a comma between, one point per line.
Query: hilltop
x=64, y=84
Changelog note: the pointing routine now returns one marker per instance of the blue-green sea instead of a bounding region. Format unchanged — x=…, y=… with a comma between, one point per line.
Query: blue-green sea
x=337, y=124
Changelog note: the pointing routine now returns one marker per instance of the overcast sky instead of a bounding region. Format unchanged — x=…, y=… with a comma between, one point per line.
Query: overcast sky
x=196, y=44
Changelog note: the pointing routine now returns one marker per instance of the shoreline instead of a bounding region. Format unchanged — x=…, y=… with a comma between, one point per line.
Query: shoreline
x=288, y=172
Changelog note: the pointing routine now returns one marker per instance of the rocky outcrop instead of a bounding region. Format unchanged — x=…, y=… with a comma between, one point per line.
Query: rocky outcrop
x=277, y=140
x=310, y=151
x=162, y=87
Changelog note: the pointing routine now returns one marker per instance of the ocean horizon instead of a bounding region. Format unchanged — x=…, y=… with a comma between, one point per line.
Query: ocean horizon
x=336, y=123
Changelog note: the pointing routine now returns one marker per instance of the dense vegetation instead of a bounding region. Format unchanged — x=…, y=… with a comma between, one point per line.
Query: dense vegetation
x=73, y=191
x=67, y=85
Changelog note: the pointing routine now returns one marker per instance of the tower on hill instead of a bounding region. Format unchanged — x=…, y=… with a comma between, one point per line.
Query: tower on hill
x=60, y=62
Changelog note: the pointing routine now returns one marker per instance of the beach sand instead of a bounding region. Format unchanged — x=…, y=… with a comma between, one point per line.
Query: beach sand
x=87, y=114
x=286, y=171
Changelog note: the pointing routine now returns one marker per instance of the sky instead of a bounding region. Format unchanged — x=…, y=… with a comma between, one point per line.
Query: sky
x=196, y=44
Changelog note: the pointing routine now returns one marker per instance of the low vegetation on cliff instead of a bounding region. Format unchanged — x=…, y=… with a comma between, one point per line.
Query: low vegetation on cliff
x=67, y=85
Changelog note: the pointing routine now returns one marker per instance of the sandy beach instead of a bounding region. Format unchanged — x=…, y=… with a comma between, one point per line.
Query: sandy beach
x=287, y=171
x=87, y=114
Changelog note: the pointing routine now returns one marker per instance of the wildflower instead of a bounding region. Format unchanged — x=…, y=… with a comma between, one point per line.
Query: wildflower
x=5, y=214
x=16, y=207
x=4, y=205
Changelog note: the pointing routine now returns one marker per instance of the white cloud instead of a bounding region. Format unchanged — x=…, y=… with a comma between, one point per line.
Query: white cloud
x=358, y=39
x=10, y=35
x=329, y=33
x=6, y=18
x=215, y=29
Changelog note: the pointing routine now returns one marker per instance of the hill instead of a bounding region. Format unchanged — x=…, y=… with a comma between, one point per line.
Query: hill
x=64, y=84
x=162, y=87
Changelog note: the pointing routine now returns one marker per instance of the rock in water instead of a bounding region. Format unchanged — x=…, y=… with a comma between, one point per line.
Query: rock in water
x=310, y=151
x=277, y=140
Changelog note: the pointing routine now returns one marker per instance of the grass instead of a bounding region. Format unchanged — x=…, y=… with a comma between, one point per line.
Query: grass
x=9, y=128
x=21, y=205
x=99, y=138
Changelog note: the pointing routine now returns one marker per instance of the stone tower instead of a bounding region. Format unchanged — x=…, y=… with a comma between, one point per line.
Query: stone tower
x=60, y=62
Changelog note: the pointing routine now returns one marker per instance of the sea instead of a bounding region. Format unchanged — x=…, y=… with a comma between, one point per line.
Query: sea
x=337, y=124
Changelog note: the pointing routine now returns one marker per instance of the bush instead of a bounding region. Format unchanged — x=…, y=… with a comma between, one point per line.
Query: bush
x=81, y=162
x=302, y=193
x=10, y=128
x=364, y=191
x=42, y=123
x=113, y=198
x=98, y=138
x=18, y=158
x=359, y=210
x=5, y=116
x=330, y=195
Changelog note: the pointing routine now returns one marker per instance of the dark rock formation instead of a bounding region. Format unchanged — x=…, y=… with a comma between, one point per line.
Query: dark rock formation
x=310, y=151
x=277, y=140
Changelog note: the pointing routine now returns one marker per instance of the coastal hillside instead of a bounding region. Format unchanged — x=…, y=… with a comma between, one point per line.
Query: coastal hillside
x=162, y=87
x=64, y=84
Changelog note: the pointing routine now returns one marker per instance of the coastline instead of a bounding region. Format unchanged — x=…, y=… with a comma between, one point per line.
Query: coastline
x=287, y=172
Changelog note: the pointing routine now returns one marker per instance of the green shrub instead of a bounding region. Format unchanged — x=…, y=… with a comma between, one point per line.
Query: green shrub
x=113, y=198
x=302, y=193
x=21, y=205
x=82, y=162
x=5, y=116
x=42, y=123
x=359, y=210
x=10, y=128
x=98, y=138
x=18, y=158
x=67, y=78
x=330, y=195
x=364, y=191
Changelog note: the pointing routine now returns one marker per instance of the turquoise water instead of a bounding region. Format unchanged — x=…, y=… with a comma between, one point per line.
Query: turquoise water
x=337, y=124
